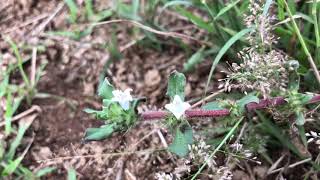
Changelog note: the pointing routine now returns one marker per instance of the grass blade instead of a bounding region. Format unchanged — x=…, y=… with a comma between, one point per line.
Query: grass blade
x=73, y=10
x=72, y=174
x=303, y=44
x=223, y=50
x=226, y=9
x=89, y=9
x=15, y=49
x=24, y=125
x=266, y=7
x=174, y=3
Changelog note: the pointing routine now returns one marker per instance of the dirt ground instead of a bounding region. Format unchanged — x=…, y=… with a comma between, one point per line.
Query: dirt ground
x=71, y=77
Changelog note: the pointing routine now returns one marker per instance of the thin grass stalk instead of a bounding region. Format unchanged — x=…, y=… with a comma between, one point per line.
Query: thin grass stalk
x=303, y=44
x=316, y=30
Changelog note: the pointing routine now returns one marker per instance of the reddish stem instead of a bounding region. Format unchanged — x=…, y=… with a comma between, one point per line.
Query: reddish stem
x=264, y=103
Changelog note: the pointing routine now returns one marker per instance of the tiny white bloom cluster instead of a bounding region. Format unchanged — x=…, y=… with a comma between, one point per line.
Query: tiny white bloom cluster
x=164, y=176
x=199, y=153
x=225, y=172
x=238, y=147
x=177, y=106
x=313, y=136
x=123, y=98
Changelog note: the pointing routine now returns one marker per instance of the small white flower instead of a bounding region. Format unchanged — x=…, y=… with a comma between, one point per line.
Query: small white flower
x=122, y=97
x=177, y=107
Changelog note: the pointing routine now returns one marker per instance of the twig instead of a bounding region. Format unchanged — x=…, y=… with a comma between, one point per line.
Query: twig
x=147, y=28
x=33, y=66
x=98, y=155
x=45, y=23
x=26, y=23
x=207, y=98
x=291, y=166
x=277, y=101
x=23, y=114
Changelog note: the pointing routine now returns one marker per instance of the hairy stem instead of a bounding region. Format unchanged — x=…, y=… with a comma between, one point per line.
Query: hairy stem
x=200, y=113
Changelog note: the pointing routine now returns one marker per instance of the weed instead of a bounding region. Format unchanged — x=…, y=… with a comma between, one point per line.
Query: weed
x=12, y=95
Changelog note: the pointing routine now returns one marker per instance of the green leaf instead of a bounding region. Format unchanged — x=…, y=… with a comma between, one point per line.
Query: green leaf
x=275, y=131
x=12, y=166
x=294, y=78
x=224, y=49
x=105, y=89
x=96, y=134
x=300, y=120
x=310, y=81
x=23, y=126
x=305, y=98
x=107, y=102
x=182, y=139
x=195, y=19
x=129, y=11
x=266, y=7
x=212, y=106
x=174, y=3
x=69, y=34
x=176, y=84
x=99, y=114
x=226, y=9
x=4, y=85
x=89, y=8
x=103, y=15
x=195, y=59
x=72, y=174
x=245, y=100
x=45, y=171
x=90, y=111
x=303, y=136
x=73, y=10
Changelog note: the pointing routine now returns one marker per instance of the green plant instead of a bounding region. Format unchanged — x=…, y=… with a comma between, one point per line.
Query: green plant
x=75, y=17
x=12, y=96
x=118, y=112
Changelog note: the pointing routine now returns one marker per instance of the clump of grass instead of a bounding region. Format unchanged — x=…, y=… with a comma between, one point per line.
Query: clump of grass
x=11, y=97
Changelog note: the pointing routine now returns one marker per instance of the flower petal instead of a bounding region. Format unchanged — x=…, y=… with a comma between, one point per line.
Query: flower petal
x=125, y=104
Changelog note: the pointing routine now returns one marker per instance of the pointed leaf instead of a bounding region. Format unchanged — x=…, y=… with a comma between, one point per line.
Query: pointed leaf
x=45, y=171
x=105, y=89
x=96, y=134
x=212, y=106
x=300, y=120
x=245, y=100
x=195, y=59
x=176, y=84
x=305, y=98
x=182, y=139
x=72, y=174
x=11, y=167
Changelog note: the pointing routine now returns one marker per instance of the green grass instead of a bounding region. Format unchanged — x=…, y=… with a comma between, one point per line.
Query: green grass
x=14, y=95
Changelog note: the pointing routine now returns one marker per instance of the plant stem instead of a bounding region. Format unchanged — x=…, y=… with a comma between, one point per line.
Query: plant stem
x=316, y=30
x=303, y=44
x=200, y=113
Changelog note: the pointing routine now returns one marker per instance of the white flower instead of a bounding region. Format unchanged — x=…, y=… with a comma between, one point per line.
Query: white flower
x=177, y=107
x=122, y=97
